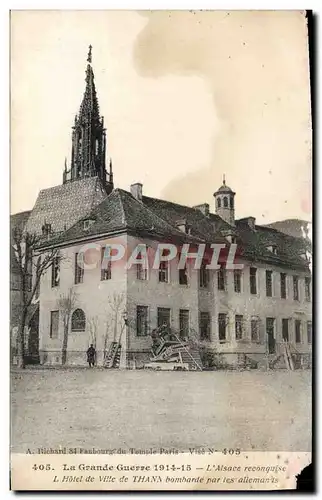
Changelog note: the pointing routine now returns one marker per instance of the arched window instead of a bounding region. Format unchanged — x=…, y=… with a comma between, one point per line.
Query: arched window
x=225, y=202
x=231, y=202
x=78, y=321
x=219, y=203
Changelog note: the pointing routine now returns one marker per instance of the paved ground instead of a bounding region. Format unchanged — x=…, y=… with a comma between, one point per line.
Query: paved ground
x=111, y=409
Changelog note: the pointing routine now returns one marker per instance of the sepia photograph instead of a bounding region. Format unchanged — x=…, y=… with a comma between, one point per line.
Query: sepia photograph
x=160, y=249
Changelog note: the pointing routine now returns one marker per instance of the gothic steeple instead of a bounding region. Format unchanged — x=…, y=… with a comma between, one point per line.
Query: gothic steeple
x=89, y=137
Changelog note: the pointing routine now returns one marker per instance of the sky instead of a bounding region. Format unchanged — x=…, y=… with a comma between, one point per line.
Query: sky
x=187, y=96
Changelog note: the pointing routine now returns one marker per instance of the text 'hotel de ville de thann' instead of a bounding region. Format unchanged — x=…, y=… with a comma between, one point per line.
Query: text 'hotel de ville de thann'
x=257, y=315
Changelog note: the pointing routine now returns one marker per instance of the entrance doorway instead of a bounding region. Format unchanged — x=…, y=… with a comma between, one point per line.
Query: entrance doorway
x=270, y=327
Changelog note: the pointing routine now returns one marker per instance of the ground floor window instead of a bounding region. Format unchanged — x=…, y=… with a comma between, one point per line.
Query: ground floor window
x=163, y=317
x=298, y=331
x=78, y=321
x=254, y=329
x=270, y=332
x=54, y=323
x=285, y=335
x=309, y=332
x=222, y=325
x=239, y=326
x=184, y=323
x=204, y=325
x=141, y=321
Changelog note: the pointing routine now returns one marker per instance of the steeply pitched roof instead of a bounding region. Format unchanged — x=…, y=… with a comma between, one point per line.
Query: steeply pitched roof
x=120, y=212
x=201, y=226
x=255, y=244
x=61, y=206
x=19, y=220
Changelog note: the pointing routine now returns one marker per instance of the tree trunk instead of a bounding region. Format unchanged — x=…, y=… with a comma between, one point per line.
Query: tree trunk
x=65, y=343
x=21, y=340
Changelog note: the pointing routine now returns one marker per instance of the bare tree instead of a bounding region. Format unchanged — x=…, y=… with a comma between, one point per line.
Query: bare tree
x=66, y=304
x=116, y=319
x=93, y=329
x=25, y=246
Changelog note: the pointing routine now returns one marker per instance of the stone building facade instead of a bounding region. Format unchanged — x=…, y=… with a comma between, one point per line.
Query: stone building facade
x=230, y=313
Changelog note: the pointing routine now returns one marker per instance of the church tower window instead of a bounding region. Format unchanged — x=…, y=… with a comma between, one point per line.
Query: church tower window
x=224, y=203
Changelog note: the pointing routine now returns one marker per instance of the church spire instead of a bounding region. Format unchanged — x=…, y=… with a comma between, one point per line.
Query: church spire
x=89, y=136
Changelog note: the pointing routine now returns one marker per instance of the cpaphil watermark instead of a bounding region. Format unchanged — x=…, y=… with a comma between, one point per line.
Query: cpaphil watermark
x=214, y=256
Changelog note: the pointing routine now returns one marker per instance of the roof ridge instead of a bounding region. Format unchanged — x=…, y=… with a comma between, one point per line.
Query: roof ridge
x=285, y=235
x=164, y=222
x=20, y=213
x=170, y=202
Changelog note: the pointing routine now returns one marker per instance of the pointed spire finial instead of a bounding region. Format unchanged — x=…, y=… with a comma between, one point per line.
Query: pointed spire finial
x=89, y=56
x=224, y=180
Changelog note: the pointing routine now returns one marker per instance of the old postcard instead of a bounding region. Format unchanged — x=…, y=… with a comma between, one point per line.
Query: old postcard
x=161, y=324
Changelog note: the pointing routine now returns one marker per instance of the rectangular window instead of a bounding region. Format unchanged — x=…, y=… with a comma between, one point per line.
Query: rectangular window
x=308, y=289
x=55, y=272
x=142, y=266
x=239, y=326
x=163, y=317
x=298, y=331
x=221, y=279
x=222, y=323
x=15, y=281
x=204, y=325
x=309, y=332
x=106, y=264
x=285, y=335
x=184, y=323
x=269, y=286
x=141, y=321
x=252, y=280
x=237, y=280
x=183, y=276
x=79, y=271
x=295, y=288
x=254, y=329
x=203, y=276
x=164, y=272
x=141, y=272
x=283, y=285
x=54, y=323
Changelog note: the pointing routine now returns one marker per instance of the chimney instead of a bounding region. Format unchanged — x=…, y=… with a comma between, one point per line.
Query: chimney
x=250, y=221
x=136, y=191
x=204, y=208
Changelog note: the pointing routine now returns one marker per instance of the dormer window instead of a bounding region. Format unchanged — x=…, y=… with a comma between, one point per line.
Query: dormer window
x=305, y=256
x=87, y=223
x=46, y=229
x=182, y=226
x=273, y=249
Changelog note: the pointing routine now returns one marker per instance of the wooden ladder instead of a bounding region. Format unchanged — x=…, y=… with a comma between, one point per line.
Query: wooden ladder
x=287, y=356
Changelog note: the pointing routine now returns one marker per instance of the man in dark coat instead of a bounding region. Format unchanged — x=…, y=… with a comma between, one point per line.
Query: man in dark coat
x=91, y=354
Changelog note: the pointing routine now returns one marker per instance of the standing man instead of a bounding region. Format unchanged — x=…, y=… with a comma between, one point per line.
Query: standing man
x=91, y=354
